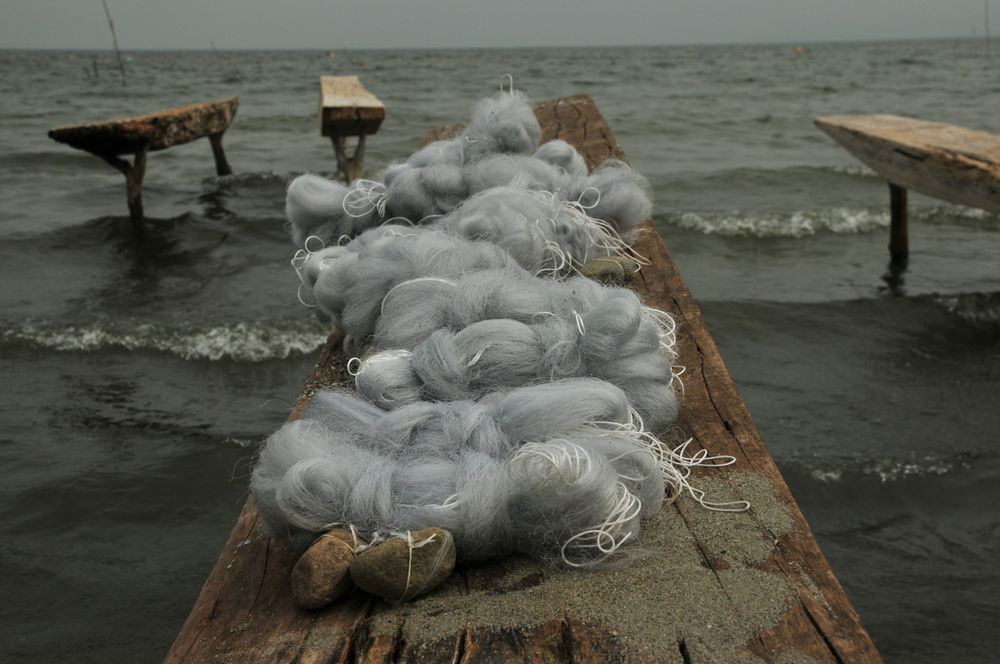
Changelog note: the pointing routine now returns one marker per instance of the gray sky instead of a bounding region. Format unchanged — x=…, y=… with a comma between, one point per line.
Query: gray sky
x=332, y=24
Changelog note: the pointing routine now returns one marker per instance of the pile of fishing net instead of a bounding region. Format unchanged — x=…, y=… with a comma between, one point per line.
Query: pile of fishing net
x=503, y=403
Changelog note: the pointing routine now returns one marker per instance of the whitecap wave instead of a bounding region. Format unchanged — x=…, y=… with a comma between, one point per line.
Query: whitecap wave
x=886, y=471
x=797, y=224
x=949, y=213
x=976, y=308
x=859, y=170
x=244, y=341
x=889, y=469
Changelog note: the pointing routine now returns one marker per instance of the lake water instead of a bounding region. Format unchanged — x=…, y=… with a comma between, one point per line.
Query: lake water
x=135, y=380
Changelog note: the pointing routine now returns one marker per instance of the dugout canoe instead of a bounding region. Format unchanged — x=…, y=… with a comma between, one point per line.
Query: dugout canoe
x=952, y=163
x=347, y=108
x=711, y=586
x=141, y=134
x=152, y=131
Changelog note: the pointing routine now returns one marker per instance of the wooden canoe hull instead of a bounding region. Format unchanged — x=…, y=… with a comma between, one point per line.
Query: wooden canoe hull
x=944, y=161
x=347, y=108
x=154, y=131
x=697, y=595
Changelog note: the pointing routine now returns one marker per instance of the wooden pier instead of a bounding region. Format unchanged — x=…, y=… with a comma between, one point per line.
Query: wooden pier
x=142, y=134
x=941, y=160
x=346, y=108
x=708, y=587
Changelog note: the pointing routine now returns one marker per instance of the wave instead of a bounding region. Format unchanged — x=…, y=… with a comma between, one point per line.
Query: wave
x=981, y=309
x=244, y=341
x=858, y=170
x=251, y=178
x=885, y=471
x=948, y=213
x=795, y=224
x=890, y=469
x=806, y=223
x=257, y=178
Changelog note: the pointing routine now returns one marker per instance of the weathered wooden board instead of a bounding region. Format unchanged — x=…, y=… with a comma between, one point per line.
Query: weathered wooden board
x=153, y=131
x=346, y=108
x=711, y=587
x=941, y=160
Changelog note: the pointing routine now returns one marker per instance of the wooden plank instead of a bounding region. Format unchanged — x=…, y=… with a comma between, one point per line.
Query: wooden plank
x=941, y=160
x=346, y=108
x=710, y=587
x=153, y=131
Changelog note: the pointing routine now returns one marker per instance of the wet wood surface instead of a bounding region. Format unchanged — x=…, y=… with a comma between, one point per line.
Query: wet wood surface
x=941, y=160
x=712, y=587
x=151, y=132
x=347, y=108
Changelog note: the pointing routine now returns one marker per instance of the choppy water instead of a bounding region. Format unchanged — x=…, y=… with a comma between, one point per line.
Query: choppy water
x=133, y=379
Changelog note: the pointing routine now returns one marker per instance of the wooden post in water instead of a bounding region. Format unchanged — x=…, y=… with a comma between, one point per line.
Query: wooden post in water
x=350, y=167
x=134, y=174
x=899, y=242
x=346, y=108
x=222, y=166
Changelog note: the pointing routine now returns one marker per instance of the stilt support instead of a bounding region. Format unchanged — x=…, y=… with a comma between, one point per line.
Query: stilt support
x=114, y=140
x=222, y=166
x=350, y=167
x=346, y=108
x=899, y=243
x=134, y=174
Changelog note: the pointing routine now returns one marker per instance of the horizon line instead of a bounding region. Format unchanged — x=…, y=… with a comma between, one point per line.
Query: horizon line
x=505, y=48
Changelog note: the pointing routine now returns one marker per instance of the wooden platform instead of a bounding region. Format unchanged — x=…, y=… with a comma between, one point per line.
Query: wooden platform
x=941, y=160
x=141, y=134
x=153, y=131
x=710, y=587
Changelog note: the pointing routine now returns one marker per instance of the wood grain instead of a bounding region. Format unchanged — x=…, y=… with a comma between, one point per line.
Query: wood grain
x=951, y=163
x=517, y=610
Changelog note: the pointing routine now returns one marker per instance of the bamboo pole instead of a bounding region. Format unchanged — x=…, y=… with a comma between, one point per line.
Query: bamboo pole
x=114, y=39
x=989, y=44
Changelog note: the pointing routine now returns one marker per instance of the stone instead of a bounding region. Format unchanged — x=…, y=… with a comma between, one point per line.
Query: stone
x=345, y=536
x=322, y=573
x=396, y=571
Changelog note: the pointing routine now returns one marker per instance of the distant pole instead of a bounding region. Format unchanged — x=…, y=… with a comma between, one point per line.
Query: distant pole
x=989, y=46
x=114, y=38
